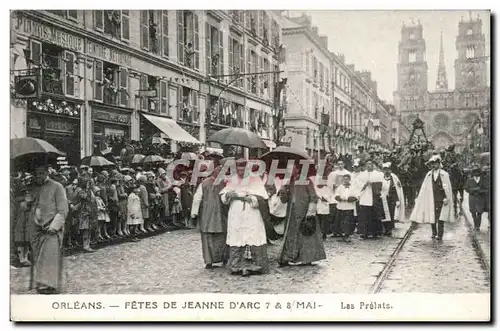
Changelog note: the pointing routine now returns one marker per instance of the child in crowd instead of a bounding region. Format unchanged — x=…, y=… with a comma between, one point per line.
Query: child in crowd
x=134, y=211
x=346, y=204
x=102, y=214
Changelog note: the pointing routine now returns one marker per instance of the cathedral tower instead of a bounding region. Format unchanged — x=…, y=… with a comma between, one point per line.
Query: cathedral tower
x=412, y=69
x=470, y=66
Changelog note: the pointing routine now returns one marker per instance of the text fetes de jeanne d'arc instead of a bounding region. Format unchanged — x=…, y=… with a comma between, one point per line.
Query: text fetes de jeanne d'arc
x=53, y=35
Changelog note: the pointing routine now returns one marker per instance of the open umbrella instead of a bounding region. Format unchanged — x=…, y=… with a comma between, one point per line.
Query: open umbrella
x=237, y=137
x=133, y=159
x=96, y=161
x=284, y=153
x=150, y=159
x=29, y=146
x=189, y=156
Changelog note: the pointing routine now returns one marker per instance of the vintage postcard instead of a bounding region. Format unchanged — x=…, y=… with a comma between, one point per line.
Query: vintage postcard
x=250, y=165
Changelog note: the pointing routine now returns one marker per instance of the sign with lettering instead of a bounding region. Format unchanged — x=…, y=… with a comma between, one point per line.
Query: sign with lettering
x=111, y=117
x=59, y=125
x=48, y=33
x=108, y=54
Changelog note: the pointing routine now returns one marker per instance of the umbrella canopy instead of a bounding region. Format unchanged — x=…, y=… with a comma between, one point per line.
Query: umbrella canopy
x=158, y=140
x=28, y=146
x=152, y=159
x=96, y=161
x=285, y=153
x=237, y=137
x=189, y=156
x=133, y=159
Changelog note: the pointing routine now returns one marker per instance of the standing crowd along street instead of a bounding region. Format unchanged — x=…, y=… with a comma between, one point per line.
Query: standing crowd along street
x=363, y=195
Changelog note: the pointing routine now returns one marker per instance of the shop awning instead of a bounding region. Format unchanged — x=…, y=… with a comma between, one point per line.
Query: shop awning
x=171, y=129
x=269, y=143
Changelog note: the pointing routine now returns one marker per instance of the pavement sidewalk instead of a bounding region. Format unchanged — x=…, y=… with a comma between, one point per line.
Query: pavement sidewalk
x=481, y=238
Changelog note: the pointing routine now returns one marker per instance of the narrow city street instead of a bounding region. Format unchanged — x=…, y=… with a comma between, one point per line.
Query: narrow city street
x=429, y=266
x=172, y=263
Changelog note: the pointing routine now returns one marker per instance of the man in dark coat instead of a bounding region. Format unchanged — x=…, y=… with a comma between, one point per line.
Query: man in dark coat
x=477, y=187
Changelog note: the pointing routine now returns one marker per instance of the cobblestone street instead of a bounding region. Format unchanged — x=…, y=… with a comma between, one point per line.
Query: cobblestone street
x=172, y=263
x=450, y=266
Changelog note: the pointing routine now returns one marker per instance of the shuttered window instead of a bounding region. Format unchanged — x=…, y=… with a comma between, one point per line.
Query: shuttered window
x=163, y=95
x=125, y=25
x=144, y=27
x=99, y=20
x=98, y=80
x=180, y=36
x=69, y=74
x=124, y=87
x=164, y=33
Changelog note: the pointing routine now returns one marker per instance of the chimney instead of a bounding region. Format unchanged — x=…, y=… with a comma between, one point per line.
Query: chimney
x=324, y=41
x=315, y=30
x=341, y=57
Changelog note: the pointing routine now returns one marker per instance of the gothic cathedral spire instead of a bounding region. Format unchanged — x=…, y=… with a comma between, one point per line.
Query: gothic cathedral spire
x=441, y=81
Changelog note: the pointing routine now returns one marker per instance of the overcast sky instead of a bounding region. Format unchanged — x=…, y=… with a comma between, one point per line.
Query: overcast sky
x=369, y=40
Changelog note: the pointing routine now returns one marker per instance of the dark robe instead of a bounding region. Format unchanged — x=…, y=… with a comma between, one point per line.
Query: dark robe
x=51, y=201
x=212, y=222
x=478, y=195
x=297, y=247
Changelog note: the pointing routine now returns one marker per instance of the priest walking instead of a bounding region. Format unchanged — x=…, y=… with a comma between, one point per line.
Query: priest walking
x=47, y=218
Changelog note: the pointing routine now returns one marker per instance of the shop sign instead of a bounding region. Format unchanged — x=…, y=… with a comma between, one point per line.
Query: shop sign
x=59, y=125
x=48, y=33
x=34, y=124
x=104, y=53
x=111, y=117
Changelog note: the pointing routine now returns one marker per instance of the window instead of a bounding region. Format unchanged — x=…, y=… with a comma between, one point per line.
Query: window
x=252, y=67
x=214, y=51
x=236, y=60
x=115, y=23
x=188, y=112
x=469, y=31
x=315, y=69
x=275, y=35
x=188, y=51
x=111, y=83
x=441, y=121
x=154, y=31
x=265, y=28
x=412, y=56
x=308, y=65
x=68, y=14
x=163, y=97
x=412, y=35
x=308, y=103
x=59, y=68
x=471, y=52
x=321, y=73
x=265, y=78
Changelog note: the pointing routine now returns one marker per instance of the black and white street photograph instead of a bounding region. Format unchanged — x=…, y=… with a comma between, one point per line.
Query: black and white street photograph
x=162, y=152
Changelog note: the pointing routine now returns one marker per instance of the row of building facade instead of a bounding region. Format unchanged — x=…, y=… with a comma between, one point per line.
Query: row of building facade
x=330, y=105
x=104, y=75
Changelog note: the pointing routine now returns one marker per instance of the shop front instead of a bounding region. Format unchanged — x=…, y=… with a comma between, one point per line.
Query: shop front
x=110, y=127
x=59, y=126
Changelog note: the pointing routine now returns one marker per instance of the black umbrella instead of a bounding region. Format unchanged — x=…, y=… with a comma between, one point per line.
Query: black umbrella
x=151, y=159
x=31, y=146
x=96, y=161
x=133, y=159
x=237, y=137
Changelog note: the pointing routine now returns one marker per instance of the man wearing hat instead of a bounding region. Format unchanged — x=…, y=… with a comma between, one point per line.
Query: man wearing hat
x=48, y=214
x=477, y=188
x=434, y=203
x=393, y=200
